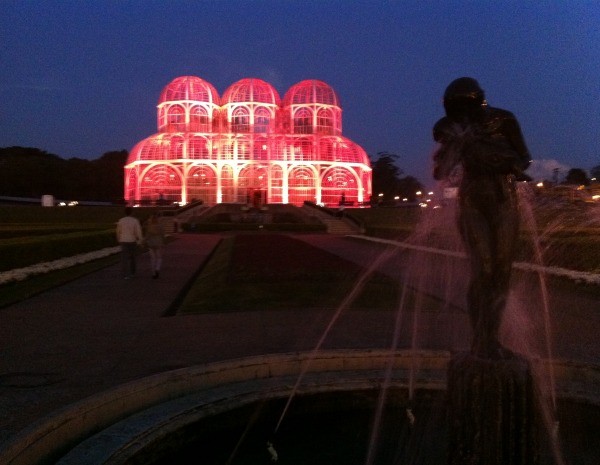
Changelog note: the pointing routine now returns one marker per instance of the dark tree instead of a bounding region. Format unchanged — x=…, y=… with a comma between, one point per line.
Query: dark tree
x=577, y=176
x=595, y=172
x=388, y=180
x=408, y=188
x=386, y=174
x=31, y=172
x=108, y=170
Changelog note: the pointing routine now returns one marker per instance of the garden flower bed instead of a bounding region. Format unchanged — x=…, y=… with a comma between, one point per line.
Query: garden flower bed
x=20, y=274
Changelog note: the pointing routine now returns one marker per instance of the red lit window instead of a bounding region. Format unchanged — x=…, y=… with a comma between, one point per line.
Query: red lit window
x=301, y=185
x=303, y=121
x=280, y=148
x=325, y=122
x=162, y=117
x=202, y=184
x=176, y=119
x=199, y=120
x=261, y=149
x=262, y=120
x=161, y=182
x=243, y=149
x=197, y=148
x=227, y=149
x=227, y=184
x=131, y=184
x=303, y=149
x=276, y=194
x=240, y=120
x=177, y=148
x=326, y=149
x=338, y=184
x=154, y=149
x=253, y=176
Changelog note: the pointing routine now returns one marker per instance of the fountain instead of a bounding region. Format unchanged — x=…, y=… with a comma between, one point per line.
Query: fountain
x=380, y=406
x=271, y=407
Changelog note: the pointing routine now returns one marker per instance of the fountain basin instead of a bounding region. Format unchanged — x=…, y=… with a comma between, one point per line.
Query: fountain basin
x=117, y=425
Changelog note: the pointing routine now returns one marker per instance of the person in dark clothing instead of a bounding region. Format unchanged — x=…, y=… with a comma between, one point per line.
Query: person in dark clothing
x=486, y=147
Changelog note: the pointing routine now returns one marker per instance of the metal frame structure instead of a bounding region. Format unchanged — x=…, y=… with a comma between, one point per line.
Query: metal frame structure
x=248, y=147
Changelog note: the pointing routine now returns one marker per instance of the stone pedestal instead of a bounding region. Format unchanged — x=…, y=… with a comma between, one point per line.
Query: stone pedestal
x=491, y=412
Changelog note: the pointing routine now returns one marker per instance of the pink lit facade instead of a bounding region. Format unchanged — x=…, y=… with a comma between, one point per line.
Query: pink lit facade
x=248, y=146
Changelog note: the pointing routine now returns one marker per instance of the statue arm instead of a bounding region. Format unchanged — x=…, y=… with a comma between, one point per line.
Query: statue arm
x=447, y=155
x=505, y=124
x=440, y=138
x=515, y=138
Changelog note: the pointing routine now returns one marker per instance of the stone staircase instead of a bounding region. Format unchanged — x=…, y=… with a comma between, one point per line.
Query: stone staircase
x=168, y=224
x=172, y=224
x=334, y=224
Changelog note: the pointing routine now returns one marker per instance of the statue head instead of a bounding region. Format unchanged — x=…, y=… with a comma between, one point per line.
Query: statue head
x=463, y=97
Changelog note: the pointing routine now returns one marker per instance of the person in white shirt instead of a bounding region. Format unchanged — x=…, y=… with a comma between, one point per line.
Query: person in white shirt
x=129, y=234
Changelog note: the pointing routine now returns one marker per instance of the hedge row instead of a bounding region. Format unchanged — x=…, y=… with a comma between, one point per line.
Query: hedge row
x=575, y=252
x=580, y=253
x=23, y=232
x=25, y=251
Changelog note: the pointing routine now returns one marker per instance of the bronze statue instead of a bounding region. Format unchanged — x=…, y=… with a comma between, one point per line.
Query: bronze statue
x=486, y=147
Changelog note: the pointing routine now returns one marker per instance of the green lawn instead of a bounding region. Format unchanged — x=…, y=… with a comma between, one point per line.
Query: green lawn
x=248, y=270
x=570, y=238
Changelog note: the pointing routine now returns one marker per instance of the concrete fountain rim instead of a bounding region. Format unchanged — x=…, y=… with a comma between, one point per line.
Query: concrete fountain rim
x=147, y=406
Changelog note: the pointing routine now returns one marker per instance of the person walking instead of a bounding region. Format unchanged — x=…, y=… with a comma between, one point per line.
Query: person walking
x=155, y=240
x=129, y=234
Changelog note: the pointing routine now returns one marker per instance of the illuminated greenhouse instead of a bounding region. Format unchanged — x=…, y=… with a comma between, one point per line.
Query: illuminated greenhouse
x=248, y=146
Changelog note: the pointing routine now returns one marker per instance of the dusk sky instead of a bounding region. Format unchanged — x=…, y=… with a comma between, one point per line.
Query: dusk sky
x=81, y=78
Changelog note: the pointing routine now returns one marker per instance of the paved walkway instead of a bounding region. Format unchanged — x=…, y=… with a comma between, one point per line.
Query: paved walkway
x=101, y=331
x=87, y=335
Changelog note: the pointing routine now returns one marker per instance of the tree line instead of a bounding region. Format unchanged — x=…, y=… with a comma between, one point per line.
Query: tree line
x=31, y=172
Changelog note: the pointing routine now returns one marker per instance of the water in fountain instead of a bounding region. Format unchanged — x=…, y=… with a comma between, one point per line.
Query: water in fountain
x=343, y=306
x=434, y=264
x=527, y=328
x=431, y=268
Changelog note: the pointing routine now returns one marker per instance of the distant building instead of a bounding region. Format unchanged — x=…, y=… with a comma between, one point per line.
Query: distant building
x=248, y=146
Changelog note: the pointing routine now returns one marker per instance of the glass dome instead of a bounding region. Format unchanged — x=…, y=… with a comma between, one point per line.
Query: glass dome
x=188, y=104
x=350, y=152
x=251, y=90
x=186, y=88
x=311, y=91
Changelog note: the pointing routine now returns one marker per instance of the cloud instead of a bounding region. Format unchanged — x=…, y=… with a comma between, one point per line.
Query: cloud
x=548, y=170
x=273, y=77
